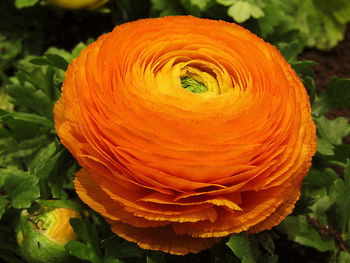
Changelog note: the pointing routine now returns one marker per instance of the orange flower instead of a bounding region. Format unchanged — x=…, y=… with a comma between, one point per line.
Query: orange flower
x=187, y=130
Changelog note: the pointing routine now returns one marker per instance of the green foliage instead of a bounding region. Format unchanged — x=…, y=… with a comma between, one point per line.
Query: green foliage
x=336, y=96
x=253, y=248
x=196, y=7
x=331, y=133
x=298, y=229
x=21, y=188
x=241, y=11
x=166, y=8
x=32, y=163
x=88, y=249
x=326, y=226
x=339, y=195
x=51, y=59
x=110, y=250
x=318, y=24
x=245, y=247
x=8, y=51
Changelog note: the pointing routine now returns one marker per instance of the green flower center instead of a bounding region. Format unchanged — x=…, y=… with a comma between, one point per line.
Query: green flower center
x=192, y=85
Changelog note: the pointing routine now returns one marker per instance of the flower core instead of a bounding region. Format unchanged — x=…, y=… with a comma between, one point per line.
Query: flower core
x=193, y=85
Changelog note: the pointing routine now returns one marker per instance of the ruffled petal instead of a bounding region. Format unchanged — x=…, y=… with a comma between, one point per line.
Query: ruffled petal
x=163, y=239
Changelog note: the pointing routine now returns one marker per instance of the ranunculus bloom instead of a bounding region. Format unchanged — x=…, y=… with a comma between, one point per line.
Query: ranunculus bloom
x=187, y=130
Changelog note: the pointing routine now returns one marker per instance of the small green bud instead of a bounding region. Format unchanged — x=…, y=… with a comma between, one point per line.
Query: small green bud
x=42, y=235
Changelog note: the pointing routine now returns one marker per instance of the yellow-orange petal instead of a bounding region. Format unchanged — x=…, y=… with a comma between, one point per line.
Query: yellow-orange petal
x=163, y=239
x=91, y=193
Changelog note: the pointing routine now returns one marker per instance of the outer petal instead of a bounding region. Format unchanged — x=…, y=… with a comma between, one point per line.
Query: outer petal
x=163, y=238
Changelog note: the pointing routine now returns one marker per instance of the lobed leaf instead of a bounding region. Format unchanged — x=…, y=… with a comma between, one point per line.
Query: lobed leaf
x=297, y=228
x=89, y=247
x=21, y=188
x=245, y=247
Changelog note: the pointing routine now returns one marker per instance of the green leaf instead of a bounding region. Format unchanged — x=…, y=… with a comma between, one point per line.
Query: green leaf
x=29, y=117
x=116, y=248
x=303, y=204
x=43, y=166
x=336, y=96
x=347, y=173
x=320, y=179
x=311, y=87
x=11, y=151
x=319, y=23
x=241, y=11
x=57, y=61
x=196, y=7
x=340, y=195
x=298, y=230
x=82, y=251
x=88, y=234
x=166, y=7
x=333, y=130
x=304, y=67
x=321, y=205
x=10, y=49
x=62, y=53
x=78, y=48
x=40, y=61
x=316, y=23
x=274, y=16
x=338, y=93
x=3, y=204
x=51, y=60
x=226, y=2
x=325, y=147
x=245, y=247
x=27, y=95
x=291, y=50
x=341, y=153
x=25, y=3
x=21, y=188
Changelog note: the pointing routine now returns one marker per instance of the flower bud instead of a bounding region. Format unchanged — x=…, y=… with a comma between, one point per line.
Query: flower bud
x=78, y=4
x=42, y=234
